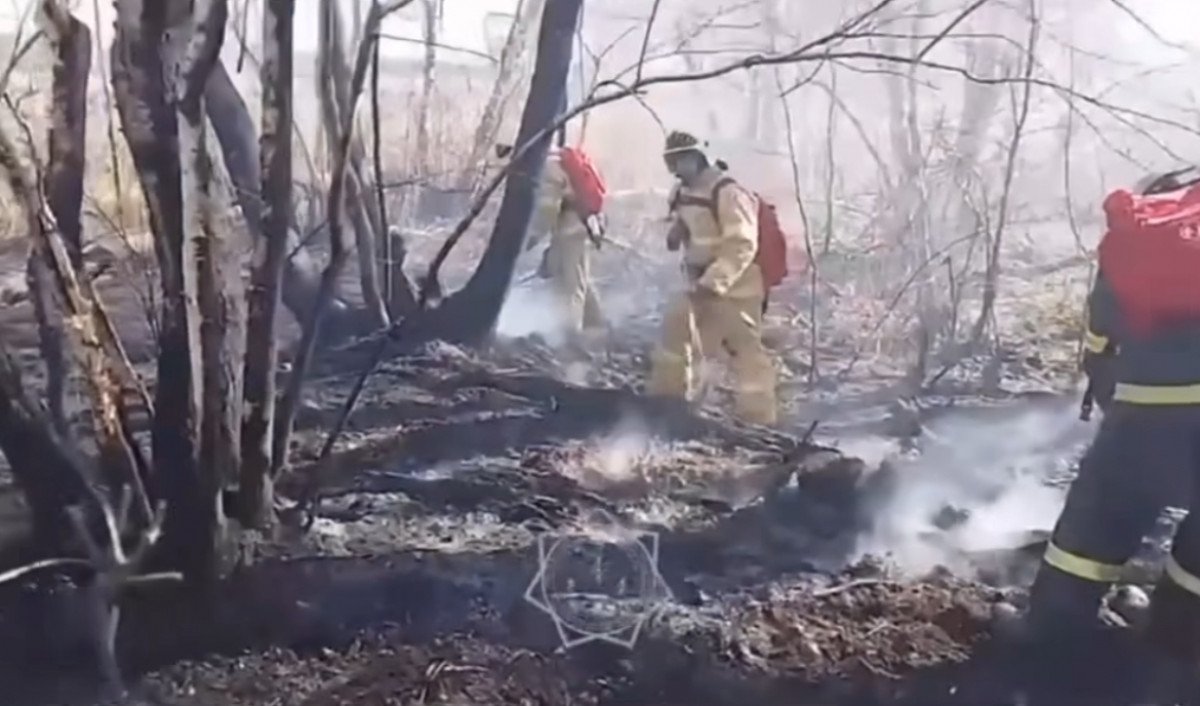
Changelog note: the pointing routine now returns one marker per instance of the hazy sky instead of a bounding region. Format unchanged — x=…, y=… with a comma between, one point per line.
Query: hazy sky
x=1174, y=20
x=463, y=23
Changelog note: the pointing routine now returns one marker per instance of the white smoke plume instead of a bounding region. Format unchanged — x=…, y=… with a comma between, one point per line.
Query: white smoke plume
x=978, y=484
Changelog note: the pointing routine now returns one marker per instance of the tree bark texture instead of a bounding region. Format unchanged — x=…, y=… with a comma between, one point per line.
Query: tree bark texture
x=214, y=389
x=235, y=131
x=72, y=42
x=103, y=363
x=149, y=125
x=256, y=493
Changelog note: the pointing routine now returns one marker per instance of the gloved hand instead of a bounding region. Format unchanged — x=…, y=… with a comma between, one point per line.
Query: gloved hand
x=596, y=228
x=677, y=235
x=1100, y=369
x=696, y=279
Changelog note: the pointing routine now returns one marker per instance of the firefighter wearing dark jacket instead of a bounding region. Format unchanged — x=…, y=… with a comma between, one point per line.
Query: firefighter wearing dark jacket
x=1146, y=456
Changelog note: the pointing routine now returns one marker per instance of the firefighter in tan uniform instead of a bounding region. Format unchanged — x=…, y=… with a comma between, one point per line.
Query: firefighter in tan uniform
x=717, y=229
x=566, y=263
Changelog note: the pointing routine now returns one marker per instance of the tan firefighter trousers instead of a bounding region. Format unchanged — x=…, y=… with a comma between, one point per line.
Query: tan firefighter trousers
x=569, y=271
x=719, y=324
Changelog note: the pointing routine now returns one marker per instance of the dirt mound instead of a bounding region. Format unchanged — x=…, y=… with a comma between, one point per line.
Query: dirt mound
x=890, y=629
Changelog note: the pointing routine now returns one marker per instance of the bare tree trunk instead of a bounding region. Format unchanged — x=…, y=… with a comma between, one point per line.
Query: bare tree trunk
x=512, y=59
x=148, y=124
x=286, y=416
x=830, y=159
x=64, y=190
x=234, y=129
x=1021, y=116
x=397, y=290
x=475, y=309
x=428, y=72
x=332, y=74
x=256, y=492
x=365, y=245
x=144, y=101
x=205, y=300
x=105, y=367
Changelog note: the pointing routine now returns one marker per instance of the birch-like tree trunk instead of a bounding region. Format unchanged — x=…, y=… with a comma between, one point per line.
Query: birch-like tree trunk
x=207, y=308
x=106, y=370
x=428, y=74
x=234, y=129
x=256, y=493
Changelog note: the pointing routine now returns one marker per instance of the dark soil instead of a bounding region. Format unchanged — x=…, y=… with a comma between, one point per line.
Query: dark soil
x=411, y=586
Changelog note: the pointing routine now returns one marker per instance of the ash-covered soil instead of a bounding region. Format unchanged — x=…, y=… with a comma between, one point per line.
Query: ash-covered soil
x=872, y=633
x=413, y=584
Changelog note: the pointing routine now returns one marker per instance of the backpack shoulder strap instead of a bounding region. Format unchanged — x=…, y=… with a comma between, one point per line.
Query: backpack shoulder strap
x=715, y=206
x=711, y=203
x=721, y=184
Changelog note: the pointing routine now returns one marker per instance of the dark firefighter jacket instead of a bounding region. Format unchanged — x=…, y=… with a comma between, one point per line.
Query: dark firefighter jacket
x=1160, y=369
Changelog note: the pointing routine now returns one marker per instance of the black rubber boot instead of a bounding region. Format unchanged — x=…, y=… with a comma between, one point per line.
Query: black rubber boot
x=1170, y=682
x=1173, y=634
x=1063, y=610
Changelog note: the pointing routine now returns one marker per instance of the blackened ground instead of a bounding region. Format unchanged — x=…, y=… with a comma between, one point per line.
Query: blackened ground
x=410, y=589
x=411, y=586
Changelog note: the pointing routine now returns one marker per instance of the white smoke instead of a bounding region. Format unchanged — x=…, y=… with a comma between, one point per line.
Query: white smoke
x=531, y=309
x=624, y=450
x=978, y=484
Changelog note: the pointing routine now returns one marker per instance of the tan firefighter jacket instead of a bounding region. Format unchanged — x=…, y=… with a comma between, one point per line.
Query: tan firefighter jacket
x=719, y=252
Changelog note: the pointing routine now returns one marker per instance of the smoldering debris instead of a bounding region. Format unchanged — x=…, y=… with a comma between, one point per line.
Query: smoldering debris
x=977, y=484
